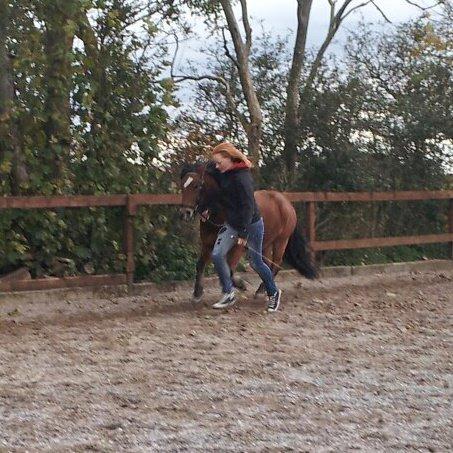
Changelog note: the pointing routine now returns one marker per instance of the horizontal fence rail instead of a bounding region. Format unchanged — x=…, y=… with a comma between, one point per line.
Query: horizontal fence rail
x=409, y=195
x=132, y=202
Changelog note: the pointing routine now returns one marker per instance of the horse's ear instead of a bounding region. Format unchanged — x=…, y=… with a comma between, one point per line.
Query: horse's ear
x=186, y=168
x=212, y=169
x=198, y=168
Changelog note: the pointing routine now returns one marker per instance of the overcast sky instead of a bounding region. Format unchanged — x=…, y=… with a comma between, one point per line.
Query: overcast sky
x=280, y=16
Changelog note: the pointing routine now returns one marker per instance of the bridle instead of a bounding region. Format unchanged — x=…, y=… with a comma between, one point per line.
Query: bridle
x=196, y=206
x=197, y=209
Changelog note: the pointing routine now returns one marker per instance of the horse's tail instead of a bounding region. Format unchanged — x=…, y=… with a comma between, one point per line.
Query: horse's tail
x=297, y=255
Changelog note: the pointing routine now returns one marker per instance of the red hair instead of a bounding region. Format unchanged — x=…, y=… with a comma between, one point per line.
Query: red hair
x=226, y=149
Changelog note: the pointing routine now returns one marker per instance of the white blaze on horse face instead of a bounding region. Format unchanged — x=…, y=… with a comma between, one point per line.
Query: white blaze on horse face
x=188, y=182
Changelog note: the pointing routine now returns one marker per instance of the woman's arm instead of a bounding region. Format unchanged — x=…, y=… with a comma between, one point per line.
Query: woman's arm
x=246, y=201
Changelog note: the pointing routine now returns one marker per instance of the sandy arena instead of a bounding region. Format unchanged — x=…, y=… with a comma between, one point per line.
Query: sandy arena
x=353, y=363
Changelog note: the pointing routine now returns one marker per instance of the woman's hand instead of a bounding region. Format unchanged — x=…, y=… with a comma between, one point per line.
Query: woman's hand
x=242, y=241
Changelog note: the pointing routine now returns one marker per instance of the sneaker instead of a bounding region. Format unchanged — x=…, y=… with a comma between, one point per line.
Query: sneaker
x=227, y=300
x=274, y=301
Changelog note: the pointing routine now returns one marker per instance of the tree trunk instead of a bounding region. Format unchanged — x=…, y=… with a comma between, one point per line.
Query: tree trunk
x=9, y=137
x=254, y=128
x=292, y=120
x=58, y=41
x=95, y=72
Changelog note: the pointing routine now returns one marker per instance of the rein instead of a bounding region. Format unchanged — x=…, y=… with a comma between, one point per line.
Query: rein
x=219, y=225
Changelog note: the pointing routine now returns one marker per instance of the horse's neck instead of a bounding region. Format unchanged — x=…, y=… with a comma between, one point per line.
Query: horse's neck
x=212, y=190
x=218, y=215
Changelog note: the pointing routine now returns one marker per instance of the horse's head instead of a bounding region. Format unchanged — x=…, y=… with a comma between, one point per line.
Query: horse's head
x=191, y=184
x=197, y=185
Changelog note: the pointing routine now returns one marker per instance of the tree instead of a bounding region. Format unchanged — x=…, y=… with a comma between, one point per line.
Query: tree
x=89, y=109
x=12, y=160
x=296, y=91
x=253, y=126
x=59, y=19
x=408, y=109
x=211, y=116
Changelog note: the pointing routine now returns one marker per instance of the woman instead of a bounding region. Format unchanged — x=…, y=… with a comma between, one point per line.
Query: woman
x=244, y=224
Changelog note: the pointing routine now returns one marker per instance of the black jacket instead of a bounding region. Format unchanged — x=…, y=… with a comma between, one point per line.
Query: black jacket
x=238, y=200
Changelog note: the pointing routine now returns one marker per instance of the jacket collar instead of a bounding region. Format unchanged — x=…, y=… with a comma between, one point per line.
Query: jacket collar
x=238, y=166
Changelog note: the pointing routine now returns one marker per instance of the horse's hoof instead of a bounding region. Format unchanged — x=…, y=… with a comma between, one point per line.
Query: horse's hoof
x=196, y=300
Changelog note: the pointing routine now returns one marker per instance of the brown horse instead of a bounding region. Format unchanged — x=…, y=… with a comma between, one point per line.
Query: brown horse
x=282, y=240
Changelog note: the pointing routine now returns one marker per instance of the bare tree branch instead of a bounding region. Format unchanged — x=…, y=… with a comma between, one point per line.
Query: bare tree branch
x=134, y=17
x=228, y=93
x=335, y=24
x=247, y=28
x=183, y=77
x=361, y=5
x=382, y=12
x=173, y=61
x=227, y=51
x=332, y=13
x=425, y=8
x=254, y=126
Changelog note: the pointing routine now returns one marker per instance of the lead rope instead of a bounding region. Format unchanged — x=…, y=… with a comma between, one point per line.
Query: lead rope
x=220, y=225
x=247, y=246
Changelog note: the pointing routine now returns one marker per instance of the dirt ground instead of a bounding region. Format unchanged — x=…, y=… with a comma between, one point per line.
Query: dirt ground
x=353, y=363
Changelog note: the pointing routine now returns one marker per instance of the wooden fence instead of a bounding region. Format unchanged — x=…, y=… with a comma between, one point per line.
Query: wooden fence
x=131, y=204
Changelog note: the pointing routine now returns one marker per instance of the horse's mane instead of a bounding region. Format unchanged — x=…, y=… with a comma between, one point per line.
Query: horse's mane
x=187, y=168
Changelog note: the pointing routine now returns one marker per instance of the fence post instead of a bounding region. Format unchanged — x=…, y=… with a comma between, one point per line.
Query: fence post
x=130, y=212
x=311, y=228
x=450, y=225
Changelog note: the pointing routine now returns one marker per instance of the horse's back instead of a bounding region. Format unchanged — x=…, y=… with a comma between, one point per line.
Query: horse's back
x=278, y=213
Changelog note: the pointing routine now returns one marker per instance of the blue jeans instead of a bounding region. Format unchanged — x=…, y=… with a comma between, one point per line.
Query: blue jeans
x=226, y=239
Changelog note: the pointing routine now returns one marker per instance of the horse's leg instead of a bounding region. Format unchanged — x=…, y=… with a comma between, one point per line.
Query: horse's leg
x=278, y=250
x=267, y=258
x=201, y=265
x=233, y=259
